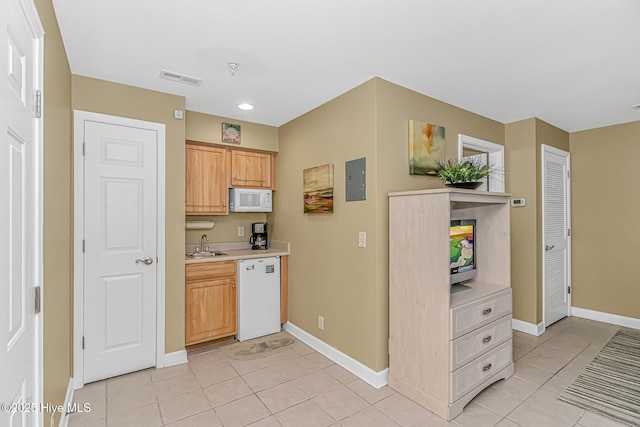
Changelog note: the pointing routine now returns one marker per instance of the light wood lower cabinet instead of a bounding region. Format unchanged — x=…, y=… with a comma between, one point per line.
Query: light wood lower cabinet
x=211, y=301
x=284, y=289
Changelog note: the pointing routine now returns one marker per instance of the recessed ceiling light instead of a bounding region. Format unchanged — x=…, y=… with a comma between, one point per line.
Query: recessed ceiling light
x=245, y=106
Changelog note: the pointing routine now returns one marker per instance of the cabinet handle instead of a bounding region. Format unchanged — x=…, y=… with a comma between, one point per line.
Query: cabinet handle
x=486, y=368
x=235, y=179
x=487, y=311
x=224, y=205
x=233, y=286
x=486, y=339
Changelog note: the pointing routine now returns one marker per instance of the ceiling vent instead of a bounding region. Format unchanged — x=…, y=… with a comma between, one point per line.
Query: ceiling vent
x=180, y=78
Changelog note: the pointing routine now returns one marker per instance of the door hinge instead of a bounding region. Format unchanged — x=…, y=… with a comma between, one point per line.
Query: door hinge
x=38, y=104
x=568, y=174
x=83, y=245
x=568, y=289
x=84, y=148
x=568, y=232
x=37, y=300
x=83, y=343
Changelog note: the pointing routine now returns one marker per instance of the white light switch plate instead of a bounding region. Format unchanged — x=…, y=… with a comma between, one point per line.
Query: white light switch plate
x=362, y=239
x=240, y=231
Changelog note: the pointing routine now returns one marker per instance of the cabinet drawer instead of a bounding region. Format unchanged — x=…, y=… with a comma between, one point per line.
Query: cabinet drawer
x=475, y=372
x=468, y=317
x=469, y=346
x=205, y=270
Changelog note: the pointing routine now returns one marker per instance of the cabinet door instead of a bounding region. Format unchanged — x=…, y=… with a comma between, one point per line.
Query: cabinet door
x=211, y=309
x=251, y=169
x=206, y=180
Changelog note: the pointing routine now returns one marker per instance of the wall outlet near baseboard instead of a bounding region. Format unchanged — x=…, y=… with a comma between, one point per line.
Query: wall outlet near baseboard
x=321, y=322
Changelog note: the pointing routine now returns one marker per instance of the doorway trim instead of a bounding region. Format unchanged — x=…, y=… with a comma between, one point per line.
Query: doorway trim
x=79, y=118
x=495, y=154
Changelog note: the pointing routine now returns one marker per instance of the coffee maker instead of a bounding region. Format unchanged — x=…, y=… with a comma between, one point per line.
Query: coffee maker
x=258, y=238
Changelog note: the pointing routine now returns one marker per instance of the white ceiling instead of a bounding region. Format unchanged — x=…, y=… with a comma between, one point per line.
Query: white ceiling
x=572, y=63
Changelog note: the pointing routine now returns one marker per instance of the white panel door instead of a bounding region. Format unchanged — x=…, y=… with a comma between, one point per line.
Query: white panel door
x=555, y=233
x=20, y=204
x=120, y=250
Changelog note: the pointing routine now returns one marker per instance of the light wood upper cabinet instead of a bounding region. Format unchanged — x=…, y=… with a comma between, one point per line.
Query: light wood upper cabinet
x=211, y=296
x=253, y=169
x=206, y=180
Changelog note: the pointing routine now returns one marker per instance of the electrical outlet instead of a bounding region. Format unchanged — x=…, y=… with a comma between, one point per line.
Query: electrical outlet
x=362, y=239
x=321, y=323
x=240, y=231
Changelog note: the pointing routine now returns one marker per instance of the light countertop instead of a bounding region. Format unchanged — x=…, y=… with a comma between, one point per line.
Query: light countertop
x=238, y=250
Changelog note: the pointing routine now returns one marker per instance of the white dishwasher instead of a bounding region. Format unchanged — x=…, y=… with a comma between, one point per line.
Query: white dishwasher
x=258, y=297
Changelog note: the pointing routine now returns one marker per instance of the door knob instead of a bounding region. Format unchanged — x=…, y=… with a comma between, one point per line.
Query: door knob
x=147, y=261
x=548, y=248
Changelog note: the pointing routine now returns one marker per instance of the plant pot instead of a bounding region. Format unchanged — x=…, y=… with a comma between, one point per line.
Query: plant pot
x=468, y=185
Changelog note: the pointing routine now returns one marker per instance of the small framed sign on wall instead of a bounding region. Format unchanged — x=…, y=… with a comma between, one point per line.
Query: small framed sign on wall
x=231, y=133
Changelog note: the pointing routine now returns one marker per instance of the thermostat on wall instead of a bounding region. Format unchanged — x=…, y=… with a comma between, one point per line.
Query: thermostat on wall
x=518, y=202
x=178, y=114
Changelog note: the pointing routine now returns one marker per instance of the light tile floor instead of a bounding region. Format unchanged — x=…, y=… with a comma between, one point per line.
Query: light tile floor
x=300, y=387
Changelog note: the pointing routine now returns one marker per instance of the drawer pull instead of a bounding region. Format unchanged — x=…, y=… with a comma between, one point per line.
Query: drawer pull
x=486, y=339
x=486, y=368
x=487, y=311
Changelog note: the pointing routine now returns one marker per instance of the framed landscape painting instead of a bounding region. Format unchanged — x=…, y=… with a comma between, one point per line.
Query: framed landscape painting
x=317, y=185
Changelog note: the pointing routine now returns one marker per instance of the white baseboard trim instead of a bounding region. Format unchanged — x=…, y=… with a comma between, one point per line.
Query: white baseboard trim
x=614, y=319
x=68, y=401
x=366, y=374
x=175, y=358
x=527, y=328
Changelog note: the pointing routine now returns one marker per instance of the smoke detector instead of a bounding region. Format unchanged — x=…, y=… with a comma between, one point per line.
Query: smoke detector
x=233, y=65
x=180, y=78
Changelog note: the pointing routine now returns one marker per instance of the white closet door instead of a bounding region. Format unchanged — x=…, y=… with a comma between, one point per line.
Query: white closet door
x=555, y=234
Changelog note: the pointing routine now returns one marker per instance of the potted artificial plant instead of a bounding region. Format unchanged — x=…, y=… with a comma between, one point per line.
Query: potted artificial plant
x=466, y=173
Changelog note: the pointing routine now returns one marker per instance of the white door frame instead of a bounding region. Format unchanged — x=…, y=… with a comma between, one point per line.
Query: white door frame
x=495, y=154
x=547, y=148
x=79, y=119
x=30, y=13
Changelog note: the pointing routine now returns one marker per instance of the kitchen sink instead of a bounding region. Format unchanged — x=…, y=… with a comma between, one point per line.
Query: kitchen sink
x=204, y=254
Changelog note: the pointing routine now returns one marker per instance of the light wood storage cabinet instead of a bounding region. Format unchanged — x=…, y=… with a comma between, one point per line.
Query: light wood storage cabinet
x=445, y=344
x=211, y=301
x=252, y=169
x=206, y=180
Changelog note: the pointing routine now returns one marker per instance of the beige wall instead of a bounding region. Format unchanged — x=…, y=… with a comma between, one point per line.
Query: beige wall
x=328, y=274
x=520, y=173
x=226, y=227
x=605, y=206
x=523, y=159
x=208, y=128
x=395, y=106
x=58, y=212
x=119, y=100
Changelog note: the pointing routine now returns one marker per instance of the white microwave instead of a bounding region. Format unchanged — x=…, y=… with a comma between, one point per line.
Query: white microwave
x=249, y=200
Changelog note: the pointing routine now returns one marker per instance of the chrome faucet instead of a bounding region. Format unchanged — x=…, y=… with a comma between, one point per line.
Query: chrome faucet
x=204, y=239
